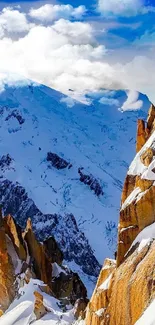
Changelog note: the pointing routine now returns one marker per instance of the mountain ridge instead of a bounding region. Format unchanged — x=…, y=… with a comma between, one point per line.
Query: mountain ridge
x=91, y=139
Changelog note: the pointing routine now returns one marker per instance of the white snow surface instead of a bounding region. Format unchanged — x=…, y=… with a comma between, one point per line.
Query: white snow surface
x=131, y=197
x=105, y=284
x=100, y=312
x=144, y=237
x=148, y=318
x=138, y=168
x=21, y=312
x=98, y=138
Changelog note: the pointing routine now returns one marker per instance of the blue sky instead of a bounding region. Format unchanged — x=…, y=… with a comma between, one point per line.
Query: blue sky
x=84, y=45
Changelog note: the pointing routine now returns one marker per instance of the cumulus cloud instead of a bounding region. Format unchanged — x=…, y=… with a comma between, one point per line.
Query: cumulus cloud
x=132, y=102
x=109, y=101
x=50, y=12
x=122, y=7
x=76, y=32
x=13, y=21
x=65, y=55
x=61, y=56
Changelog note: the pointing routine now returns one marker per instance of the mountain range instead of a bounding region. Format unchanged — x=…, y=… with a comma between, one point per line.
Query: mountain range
x=64, y=165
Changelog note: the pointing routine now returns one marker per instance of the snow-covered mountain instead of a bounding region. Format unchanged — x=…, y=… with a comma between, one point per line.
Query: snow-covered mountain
x=64, y=167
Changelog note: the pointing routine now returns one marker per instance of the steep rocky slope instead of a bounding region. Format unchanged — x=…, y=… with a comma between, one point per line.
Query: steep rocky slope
x=126, y=287
x=64, y=167
x=33, y=282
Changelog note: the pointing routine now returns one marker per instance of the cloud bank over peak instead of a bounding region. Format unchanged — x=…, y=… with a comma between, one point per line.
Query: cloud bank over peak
x=64, y=53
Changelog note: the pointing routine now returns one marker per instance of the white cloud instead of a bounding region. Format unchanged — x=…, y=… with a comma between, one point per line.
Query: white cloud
x=61, y=58
x=66, y=55
x=132, y=102
x=120, y=7
x=76, y=32
x=50, y=12
x=138, y=74
x=13, y=21
x=70, y=102
x=109, y=101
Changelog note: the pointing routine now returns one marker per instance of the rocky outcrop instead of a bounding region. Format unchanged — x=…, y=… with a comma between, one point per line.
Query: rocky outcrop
x=126, y=287
x=71, y=241
x=129, y=185
x=147, y=156
x=53, y=251
x=144, y=130
x=17, y=115
x=23, y=258
x=141, y=135
x=5, y=162
x=68, y=287
x=15, y=234
x=7, y=272
x=151, y=119
x=130, y=289
x=39, y=308
x=57, y=162
x=91, y=181
x=100, y=297
x=41, y=263
x=80, y=308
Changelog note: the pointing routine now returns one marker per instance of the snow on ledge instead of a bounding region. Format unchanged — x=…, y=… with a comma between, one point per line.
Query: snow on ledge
x=100, y=312
x=105, y=284
x=136, y=195
x=130, y=227
x=131, y=197
x=144, y=237
x=136, y=167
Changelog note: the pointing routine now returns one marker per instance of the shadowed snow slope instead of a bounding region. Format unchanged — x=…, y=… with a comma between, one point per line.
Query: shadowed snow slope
x=70, y=161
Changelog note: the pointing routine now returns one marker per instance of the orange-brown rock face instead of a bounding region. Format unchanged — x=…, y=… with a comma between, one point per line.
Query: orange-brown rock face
x=100, y=298
x=141, y=135
x=129, y=185
x=135, y=217
x=129, y=286
x=7, y=289
x=39, y=308
x=144, y=131
x=151, y=118
x=42, y=265
x=147, y=156
x=15, y=234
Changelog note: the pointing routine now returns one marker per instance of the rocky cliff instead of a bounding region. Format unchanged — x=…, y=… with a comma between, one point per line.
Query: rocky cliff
x=126, y=287
x=23, y=259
